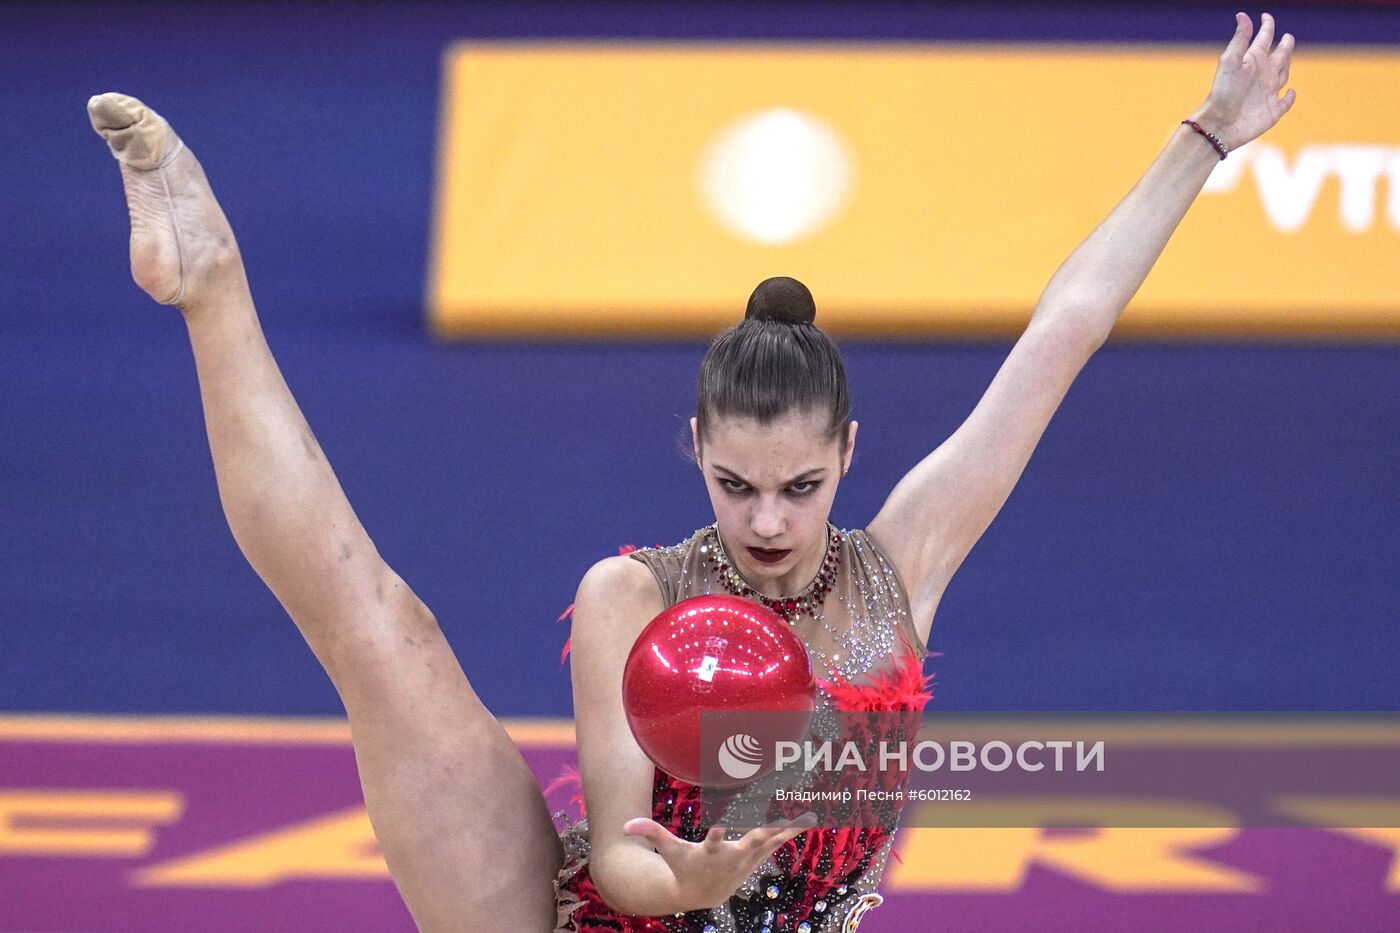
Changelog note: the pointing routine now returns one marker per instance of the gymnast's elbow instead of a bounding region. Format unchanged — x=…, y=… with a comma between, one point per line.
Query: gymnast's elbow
x=633, y=880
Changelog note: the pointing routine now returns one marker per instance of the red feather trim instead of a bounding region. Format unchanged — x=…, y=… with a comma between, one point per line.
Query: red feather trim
x=904, y=689
x=569, y=642
x=569, y=779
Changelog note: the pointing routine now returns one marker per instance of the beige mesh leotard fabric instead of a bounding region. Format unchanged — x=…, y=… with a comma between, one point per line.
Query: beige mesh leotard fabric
x=864, y=627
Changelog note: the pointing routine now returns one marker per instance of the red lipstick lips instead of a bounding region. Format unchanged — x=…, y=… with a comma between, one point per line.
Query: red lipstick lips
x=767, y=555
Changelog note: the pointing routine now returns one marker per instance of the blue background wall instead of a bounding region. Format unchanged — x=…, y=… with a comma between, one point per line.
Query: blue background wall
x=1203, y=527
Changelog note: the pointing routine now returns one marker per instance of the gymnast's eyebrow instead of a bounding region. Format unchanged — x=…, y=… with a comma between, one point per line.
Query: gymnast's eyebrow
x=804, y=477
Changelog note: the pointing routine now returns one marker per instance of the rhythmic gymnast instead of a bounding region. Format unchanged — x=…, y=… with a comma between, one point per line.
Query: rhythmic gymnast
x=460, y=818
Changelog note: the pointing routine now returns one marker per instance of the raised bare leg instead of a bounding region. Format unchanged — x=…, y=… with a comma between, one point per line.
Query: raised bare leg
x=457, y=812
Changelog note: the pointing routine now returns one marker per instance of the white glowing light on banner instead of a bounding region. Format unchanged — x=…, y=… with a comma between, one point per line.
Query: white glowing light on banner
x=776, y=176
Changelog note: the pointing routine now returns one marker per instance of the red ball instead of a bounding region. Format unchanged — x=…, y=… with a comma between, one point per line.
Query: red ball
x=716, y=654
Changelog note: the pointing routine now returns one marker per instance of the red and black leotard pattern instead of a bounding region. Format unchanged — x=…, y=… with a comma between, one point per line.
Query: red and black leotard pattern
x=824, y=880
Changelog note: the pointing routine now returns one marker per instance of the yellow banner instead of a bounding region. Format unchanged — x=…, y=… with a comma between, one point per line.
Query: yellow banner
x=621, y=189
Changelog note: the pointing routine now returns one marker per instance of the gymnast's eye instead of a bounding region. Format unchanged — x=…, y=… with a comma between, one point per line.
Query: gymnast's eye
x=807, y=487
x=733, y=485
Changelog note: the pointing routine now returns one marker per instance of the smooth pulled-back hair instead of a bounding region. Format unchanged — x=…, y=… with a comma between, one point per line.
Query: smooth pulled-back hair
x=774, y=362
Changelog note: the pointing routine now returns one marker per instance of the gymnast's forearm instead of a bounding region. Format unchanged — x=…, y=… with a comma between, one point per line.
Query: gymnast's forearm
x=1092, y=287
x=283, y=502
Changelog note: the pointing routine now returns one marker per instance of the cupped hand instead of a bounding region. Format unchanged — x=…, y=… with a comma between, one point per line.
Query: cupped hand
x=708, y=873
x=1244, y=101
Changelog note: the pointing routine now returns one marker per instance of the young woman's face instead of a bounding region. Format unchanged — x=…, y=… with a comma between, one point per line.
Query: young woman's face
x=772, y=486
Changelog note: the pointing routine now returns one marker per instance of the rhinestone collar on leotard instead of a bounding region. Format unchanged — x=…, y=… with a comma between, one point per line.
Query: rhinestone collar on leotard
x=808, y=602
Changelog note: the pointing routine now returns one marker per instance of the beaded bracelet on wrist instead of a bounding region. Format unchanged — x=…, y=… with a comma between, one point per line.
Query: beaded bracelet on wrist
x=1214, y=140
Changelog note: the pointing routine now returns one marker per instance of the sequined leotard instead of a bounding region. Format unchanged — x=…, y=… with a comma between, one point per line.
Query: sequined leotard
x=862, y=638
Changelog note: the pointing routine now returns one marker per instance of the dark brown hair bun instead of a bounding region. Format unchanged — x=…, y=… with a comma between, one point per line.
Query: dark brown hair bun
x=773, y=362
x=782, y=299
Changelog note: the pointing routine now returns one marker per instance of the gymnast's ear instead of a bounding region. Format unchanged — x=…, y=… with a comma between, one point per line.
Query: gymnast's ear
x=695, y=440
x=849, y=453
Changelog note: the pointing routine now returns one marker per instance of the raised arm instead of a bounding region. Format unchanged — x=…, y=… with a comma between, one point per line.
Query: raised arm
x=941, y=508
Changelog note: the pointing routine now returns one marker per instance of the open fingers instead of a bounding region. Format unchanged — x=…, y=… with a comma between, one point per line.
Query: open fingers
x=782, y=837
x=1281, y=58
x=1264, y=41
x=758, y=837
x=767, y=838
x=1244, y=28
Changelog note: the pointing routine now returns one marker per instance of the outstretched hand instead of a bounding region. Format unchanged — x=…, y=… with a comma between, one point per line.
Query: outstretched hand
x=1244, y=101
x=708, y=873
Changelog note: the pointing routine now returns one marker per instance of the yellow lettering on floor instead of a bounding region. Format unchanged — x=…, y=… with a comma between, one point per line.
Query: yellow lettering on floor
x=1348, y=815
x=1008, y=838
x=341, y=845
x=99, y=823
